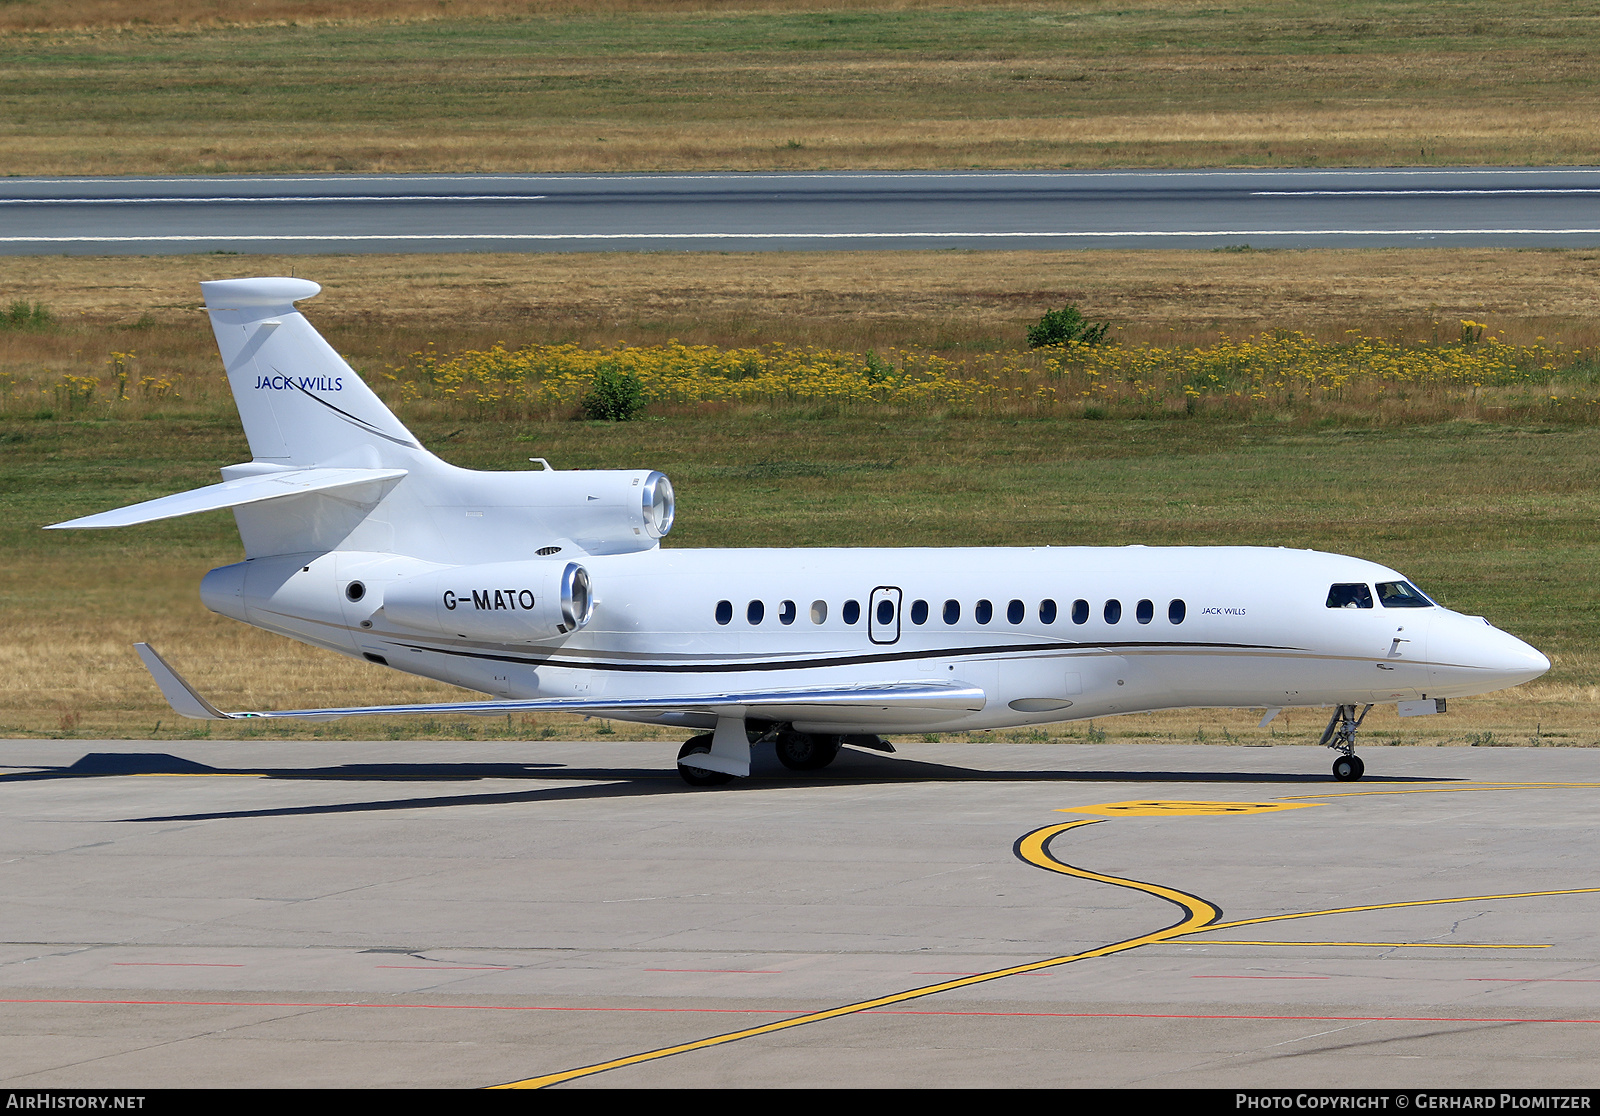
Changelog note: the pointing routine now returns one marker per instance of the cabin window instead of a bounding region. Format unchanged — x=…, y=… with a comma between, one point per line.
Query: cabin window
x=1401, y=594
x=1144, y=612
x=984, y=612
x=755, y=612
x=819, y=612
x=1113, y=612
x=952, y=611
x=1176, y=611
x=886, y=611
x=1047, y=612
x=724, y=611
x=1080, y=612
x=1350, y=596
x=852, y=611
x=787, y=612
x=919, y=612
x=1015, y=611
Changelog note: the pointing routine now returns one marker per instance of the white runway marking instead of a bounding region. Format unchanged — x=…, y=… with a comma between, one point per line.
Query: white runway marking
x=175, y=200
x=1452, y=193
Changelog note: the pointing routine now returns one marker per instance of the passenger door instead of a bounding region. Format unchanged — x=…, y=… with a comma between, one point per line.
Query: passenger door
x=883, y=615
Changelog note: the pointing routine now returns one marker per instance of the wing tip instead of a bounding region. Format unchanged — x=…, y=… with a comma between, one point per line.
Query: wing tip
x=184, y=698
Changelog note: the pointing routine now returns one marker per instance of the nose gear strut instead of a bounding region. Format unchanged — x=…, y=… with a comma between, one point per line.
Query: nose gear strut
x=1340, y=735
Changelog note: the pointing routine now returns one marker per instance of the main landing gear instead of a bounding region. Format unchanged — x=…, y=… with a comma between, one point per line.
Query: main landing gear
x=696, y=776
x=1340, y=735
x=806, y=751
x=798, y=751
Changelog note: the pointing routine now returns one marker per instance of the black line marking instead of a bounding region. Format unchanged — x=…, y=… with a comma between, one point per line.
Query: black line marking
x=346, y=415
x=804, y=664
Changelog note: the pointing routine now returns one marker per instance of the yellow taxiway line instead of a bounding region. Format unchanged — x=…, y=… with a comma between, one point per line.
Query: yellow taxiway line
x=1033, y=849
x=1198, y=915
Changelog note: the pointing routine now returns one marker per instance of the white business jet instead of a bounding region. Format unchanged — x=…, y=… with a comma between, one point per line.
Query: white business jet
x=550, y=591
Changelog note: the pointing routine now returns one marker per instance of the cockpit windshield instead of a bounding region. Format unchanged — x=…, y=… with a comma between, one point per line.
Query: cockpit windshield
x=1355, y=595
x=1401, y=594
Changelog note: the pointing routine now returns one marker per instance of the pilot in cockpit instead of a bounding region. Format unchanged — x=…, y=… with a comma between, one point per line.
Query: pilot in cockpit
x=1355, y=595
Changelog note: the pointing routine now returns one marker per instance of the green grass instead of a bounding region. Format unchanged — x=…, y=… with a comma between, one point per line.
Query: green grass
x=1374, y=82
x=1494, y=520
x=1490, y=519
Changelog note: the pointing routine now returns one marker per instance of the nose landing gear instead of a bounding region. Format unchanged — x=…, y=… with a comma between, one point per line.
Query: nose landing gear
x=1340, y=735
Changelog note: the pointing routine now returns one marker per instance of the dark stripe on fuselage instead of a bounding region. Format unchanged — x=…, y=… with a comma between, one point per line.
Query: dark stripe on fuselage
x=843, y=660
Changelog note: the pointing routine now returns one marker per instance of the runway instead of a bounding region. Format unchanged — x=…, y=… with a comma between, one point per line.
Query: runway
x=471, y=914
x=1516, y=207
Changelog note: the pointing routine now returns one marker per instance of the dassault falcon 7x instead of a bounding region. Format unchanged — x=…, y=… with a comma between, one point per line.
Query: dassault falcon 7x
x=550, y=591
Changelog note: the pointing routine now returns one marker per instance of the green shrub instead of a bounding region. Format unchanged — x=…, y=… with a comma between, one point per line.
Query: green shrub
x=1066, y=326
x=615, y=396
x=25, y=315
x=876, y=369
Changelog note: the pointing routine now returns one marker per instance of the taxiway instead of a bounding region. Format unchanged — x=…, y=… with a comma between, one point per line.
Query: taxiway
x=467, y=914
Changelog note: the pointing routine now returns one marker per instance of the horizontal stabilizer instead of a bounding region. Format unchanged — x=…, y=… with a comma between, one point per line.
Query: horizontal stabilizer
x=809, y=703
x=235, y=493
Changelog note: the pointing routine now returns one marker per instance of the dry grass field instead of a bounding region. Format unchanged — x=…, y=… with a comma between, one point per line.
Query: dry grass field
x=200, y=86
x=59, y=15
x=1494, y=518
x=383, y=307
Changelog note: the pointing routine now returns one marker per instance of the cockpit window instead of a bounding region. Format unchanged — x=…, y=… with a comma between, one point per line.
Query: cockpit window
x=1401, y=594
x=1350, y=596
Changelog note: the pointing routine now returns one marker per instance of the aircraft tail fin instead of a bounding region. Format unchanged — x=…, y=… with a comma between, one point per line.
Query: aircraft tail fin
x=300, y=403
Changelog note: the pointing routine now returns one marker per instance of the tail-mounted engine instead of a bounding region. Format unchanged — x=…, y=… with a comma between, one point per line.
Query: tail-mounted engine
x=508, y=602
x=339, y=600
x=601, y=511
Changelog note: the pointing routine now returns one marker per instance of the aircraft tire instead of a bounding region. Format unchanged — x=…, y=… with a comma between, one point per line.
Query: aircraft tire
x=694, y=776
x=1347, y=769
x=806, y=751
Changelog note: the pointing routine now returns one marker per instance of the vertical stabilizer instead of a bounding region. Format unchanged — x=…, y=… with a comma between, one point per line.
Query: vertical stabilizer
x=300, y=403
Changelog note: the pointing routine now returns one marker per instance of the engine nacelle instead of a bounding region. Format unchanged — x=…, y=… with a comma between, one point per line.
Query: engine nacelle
x=508, y=602
x=601, y=511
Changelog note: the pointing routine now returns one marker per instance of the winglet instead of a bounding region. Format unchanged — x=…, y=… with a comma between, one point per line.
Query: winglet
x=179, y=694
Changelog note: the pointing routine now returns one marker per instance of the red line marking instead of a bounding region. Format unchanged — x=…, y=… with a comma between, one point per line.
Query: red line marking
x=1284, y=1018
x=791, y=1011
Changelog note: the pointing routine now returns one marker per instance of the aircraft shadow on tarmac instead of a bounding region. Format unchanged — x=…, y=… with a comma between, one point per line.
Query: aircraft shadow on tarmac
x=853, y=768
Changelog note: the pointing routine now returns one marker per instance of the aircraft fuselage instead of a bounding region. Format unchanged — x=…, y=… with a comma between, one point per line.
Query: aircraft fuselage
x=1048, y=633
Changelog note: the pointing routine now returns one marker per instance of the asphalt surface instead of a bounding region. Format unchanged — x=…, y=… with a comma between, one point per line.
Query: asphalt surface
x=1522, y=207
x=463, y=914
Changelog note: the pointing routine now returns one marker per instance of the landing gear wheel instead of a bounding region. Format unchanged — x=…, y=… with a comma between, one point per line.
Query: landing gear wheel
x=805, y=751
x=695, y=776
x=1340, y=735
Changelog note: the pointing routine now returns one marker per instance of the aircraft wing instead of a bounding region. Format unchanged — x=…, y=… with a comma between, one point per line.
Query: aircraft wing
x=234, y=493
x=913, y=700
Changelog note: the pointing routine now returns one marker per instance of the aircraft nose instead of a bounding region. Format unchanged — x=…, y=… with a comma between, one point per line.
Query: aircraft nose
x=1510, y=656
x=1495, y=660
